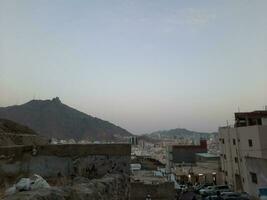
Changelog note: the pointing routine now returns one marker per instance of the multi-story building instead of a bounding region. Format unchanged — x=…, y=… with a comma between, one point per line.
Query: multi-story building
x=184, y=154
x=243, y=152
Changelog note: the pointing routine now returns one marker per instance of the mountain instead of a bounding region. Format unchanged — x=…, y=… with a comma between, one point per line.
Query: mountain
x=51, y=118
x=179, y=133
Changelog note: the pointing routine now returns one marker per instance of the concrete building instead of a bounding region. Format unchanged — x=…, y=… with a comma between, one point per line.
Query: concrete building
x=205, y=170
x=243, y=152
x=185, y=153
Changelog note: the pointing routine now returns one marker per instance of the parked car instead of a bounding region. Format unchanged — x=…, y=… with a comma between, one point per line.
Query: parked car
x=235, y=195
x=263, y=193
x=201, y=186
x=245, y=195
x=228, y=196
x=213, y=190
x=207, y=191
x=213, y=197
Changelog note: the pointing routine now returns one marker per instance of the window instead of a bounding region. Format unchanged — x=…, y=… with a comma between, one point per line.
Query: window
x=224, y=156
x=223, y=141
x=236, y=160
x=250, y=143
x=254, y=177
x=233, y=141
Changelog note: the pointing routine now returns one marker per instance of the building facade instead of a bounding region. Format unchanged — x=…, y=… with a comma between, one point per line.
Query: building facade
x=183, y=154
x=243, y=152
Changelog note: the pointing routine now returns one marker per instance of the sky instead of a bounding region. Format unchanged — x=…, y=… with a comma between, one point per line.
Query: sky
x=144, y=65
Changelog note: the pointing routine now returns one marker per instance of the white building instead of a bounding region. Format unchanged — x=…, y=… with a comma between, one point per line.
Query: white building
x=243, y=152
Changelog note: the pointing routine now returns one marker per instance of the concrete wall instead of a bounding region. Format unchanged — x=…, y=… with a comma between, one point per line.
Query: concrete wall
x=259, y=167
x=50, y=161
x=263, y=139
x=186, y=153
x=161, y=191
x=246, y=133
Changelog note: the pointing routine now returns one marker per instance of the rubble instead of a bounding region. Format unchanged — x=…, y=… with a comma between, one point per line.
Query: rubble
x=26, y=184
x=110, y=187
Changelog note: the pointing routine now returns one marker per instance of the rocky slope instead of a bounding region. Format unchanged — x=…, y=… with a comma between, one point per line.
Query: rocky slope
x=51, y=118
x=12, y=133
x=110, y=187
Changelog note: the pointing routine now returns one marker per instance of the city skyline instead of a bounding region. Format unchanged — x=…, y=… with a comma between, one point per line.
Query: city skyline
x=143, y=65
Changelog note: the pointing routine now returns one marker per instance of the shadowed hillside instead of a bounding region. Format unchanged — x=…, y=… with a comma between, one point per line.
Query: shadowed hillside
x=51, y=118
x=7, y=126
x=12, y=133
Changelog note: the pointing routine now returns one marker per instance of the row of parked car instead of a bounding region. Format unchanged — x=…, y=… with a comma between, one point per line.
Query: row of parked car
x=219, y=192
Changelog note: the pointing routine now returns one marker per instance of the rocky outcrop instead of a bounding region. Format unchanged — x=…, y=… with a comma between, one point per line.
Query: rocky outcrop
x=12, y=133
x=110, y=187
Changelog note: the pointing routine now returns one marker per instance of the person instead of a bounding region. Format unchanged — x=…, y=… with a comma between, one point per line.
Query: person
x=194, y=198
x=148, y=197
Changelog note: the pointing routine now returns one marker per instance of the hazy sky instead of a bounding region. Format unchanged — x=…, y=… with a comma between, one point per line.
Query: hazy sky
x=144, y=65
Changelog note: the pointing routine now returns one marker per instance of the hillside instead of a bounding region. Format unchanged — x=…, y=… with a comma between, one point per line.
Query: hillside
x=12, y=133
x=8, y=126
x=179, y=133
x=51, y=118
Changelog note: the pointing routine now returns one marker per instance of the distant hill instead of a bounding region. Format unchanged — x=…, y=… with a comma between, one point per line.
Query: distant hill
x=51, y=118
x=179, y=133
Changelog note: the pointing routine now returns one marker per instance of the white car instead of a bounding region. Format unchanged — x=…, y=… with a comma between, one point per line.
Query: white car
x=206, y=190
x=212, y=190
x=263, y=193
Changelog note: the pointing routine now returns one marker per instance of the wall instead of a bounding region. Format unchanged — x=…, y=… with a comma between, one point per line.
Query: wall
x=259, y=167
x=246, y=133
x=161, y=191
x=263, y=139
x=186, y=153
x=50, y=161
